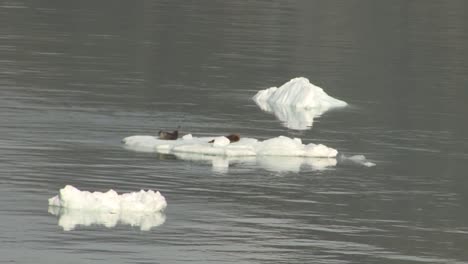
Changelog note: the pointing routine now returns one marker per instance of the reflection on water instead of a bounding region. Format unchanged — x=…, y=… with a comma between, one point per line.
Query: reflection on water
x=271, y=163
x=69, y=219
x=295, y=164
x=292, y=117
x=219, y=163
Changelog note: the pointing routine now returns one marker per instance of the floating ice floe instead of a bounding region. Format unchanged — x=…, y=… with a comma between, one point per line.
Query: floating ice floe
x=275, y=154
x=76, y=207
x=278, y=146
x=296, y=103
x=69, y=219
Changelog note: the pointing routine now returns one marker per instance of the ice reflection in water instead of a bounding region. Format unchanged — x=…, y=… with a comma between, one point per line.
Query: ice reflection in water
x=271, y=163
x=292, y=117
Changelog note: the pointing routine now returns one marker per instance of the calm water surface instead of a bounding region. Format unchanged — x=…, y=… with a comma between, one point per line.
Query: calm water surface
x=76, y=78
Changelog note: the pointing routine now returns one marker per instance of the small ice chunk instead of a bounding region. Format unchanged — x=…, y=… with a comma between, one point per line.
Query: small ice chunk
x=299, y=92
x=358, y=159
x=361, y=159
x=110, y=201
x=296, y=103
x=75, y=207
x=69, y=219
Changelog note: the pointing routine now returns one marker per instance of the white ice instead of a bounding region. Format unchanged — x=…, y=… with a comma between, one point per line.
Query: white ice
x=276, y=154
x=69, y=219
x=297, y=102
x=278, y=146
x=75, y=207
x=110, y=201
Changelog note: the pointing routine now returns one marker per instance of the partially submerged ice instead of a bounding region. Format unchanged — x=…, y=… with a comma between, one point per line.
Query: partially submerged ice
x=358, y=159
x=75, y=207
x=297, y=102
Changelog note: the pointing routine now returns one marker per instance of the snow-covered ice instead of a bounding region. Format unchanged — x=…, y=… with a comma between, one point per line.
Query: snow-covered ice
x=75, y=207
x=297, y=102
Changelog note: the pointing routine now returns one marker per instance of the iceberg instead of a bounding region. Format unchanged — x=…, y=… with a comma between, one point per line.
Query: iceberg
x=296, y=103
x=274, y=154
x=278, y=146
x=75, y=207
x=69, y=219
x=110, y=201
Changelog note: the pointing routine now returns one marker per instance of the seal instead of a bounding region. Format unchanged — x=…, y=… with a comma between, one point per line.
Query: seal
x=168, y=135
x=232, y=138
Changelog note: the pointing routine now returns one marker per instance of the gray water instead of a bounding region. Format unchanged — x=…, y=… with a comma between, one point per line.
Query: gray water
x=78, y=77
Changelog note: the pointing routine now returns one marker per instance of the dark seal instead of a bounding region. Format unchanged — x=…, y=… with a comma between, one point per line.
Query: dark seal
x=168, y=135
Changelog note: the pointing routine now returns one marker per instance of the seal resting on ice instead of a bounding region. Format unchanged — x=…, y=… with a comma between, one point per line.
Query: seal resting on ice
x=168, y=135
